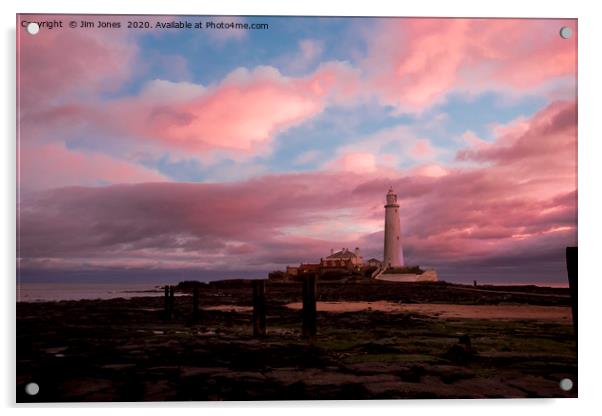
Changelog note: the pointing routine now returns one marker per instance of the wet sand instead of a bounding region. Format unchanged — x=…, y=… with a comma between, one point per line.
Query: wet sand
x=559, y=314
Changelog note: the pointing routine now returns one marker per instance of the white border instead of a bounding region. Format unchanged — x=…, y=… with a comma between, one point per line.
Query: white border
x=590, y=206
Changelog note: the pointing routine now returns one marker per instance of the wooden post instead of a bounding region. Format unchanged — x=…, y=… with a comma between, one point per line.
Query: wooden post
x=571, y=267
x=474, y=283
x=195, y=304
x=166, y=306
x=171, y=301
x=309, y=306
x=259, y=321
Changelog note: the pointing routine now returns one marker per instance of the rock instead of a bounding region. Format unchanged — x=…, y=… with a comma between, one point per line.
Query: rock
x=88, y=389
x=200, y=371
x=56, y=350
x=450, y=374
x=117, y=367
x=377, y=368
x=458, y=353
x=159, y=390
x=462, y=352
x=465, y=340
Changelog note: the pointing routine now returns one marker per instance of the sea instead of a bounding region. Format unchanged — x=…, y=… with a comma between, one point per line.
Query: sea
x=54, y=292
x=60, y=291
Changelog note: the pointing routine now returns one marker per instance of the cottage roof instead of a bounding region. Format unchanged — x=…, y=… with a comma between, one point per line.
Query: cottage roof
x=342, y=254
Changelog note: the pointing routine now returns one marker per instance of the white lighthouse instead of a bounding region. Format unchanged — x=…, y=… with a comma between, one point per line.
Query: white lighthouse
x=393, y=256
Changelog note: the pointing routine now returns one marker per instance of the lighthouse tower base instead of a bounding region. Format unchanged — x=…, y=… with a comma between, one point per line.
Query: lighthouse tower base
x=429, y=275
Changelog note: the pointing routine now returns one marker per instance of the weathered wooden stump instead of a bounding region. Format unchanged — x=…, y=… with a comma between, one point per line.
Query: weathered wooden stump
x=167, y=304
x=259, y=309
x=195, y=304
x=171, y=301
x=309, y=307
x=571, y=267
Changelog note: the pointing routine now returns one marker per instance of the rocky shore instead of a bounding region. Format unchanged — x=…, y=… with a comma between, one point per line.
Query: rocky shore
x=125, y=349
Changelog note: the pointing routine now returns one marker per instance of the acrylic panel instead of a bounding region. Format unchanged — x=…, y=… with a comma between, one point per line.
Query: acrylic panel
x=295, y=208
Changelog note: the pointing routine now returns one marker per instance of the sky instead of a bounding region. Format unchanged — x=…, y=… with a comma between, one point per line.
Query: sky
x=202, y=154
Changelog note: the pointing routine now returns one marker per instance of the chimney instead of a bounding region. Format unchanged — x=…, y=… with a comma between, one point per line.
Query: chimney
x=331, y=251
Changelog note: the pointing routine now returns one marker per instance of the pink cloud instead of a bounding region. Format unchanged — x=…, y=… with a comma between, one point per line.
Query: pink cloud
x=61, y=73
x=414, y=63
x=200, y=223
x=72, y=167
x=542, y=151
x=382, y=151
x=524, y=53
x=472, y=140
x=238, y=117
x=59, y=63
x=241, y=115
x=357, y=162
x=433, y=170
x=515, y=208
x=422, y=149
